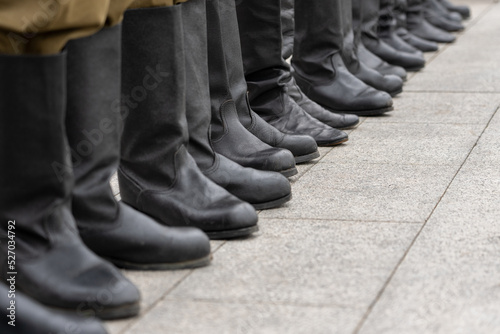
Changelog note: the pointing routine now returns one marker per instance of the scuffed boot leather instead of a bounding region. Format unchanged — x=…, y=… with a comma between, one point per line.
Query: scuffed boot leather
x=266, y=73
x=262, y=189
x=257, y=145
x=419, y=26
x=29, y=317
x=319, y=69
x=387, y=25
x=464, y=11
x=53, y=265
x=338, y=121
x=352, y=38
x=157, y=175
x=113, y=230
x=438, y=16
x=417, y=42
x=370, y=39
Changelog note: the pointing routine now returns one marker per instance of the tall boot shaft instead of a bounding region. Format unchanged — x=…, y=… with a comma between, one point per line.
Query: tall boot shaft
x=313, y=55
x=198, y=111
x=261, y=43
x=287, y=27
x=54, y=266
x=227, y=77
x=93, y=122
x=349, y=55
x=36, y=178
x=153, y=93
x=370, y=13
x=260, y=188
x=157, y=175
x=237, y=133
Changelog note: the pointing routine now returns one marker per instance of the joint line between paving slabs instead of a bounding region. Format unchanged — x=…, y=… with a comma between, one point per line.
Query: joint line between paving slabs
x=388, y=281
x=139, y=318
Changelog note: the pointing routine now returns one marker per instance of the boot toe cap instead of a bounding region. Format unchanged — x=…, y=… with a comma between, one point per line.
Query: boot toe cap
x=299, y=145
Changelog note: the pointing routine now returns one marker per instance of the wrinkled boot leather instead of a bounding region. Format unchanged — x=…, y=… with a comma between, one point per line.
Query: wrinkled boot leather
x=437, y=15
x=419, y=26
x=417, y=42
x=31, y=317
x=464, y=11
x=338, y=121
x=157, y=175
x=387, y=24
x=319, y=69
x=260, y=147
x=365, y=57
x=53, y=265
x=114, y=230
x=266, y=73
x=370, y=39
x=352, y=38
x=262, y=189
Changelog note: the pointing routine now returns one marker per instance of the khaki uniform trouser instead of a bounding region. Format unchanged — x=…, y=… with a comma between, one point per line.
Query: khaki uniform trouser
x=45, y=26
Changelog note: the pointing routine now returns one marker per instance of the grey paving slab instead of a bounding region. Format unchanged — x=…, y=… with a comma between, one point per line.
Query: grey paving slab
x=443, y=108
x=449, y=282
x=409, y=143
x=452, y=79
x=369, y=192
x=302, y=262
x=153, y=286
x=195, y=317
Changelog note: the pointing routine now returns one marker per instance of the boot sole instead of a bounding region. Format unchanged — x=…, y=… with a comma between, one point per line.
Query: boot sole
x=289, y=172
x=372, y=112
x=328, y=144
x=413, y=69
x=399, y=91
x=272, y=204
x=307, y=157
x=231, y=234
x=116, y=313
x=191, y=264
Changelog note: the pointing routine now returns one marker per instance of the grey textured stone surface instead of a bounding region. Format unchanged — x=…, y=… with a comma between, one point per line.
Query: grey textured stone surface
x=396, y=231
x=195, y=317
x=418, y=144
x=366, y=192
x=449, y=282
x=442, y=108
x=303, y=262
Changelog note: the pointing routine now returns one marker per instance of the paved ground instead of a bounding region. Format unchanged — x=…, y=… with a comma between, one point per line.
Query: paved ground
x=395, y=232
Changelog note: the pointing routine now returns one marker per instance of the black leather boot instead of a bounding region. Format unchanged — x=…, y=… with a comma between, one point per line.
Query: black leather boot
x=338, y=121
x=387, y=25
x=113, y=230
x=266, y=73
x=464, y=11
x=236, y=131
x=366, y=57
x=23, y=315
x=391, y=84
x=319, y=69
x=157, y=175
x=437, y=15
x=52, y=264
x=246, y=139
x=417, y=42
x=370, y=39
x=419, y=26
x=262, y=189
